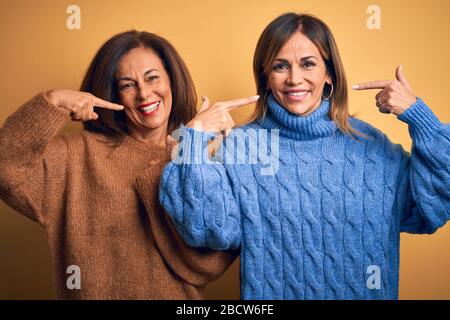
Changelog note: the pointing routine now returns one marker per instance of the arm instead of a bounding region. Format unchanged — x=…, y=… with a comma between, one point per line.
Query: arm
x=425, y=175
x=197, y=266
x=32, y=159
x=199, y=195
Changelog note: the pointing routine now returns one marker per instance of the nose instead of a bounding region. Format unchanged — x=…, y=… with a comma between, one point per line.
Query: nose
x=295, y=76
x=143, y=91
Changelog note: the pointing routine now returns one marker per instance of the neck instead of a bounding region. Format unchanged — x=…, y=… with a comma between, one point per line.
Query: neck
x=156, y=137
x=314, y=125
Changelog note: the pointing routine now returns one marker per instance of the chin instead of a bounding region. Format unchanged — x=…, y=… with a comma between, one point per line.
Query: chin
x=152, y=126
x=299, y=109
x=154, y=123
x=303, y=108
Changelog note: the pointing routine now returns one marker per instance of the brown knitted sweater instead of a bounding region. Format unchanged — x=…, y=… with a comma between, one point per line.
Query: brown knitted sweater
x=97, y=198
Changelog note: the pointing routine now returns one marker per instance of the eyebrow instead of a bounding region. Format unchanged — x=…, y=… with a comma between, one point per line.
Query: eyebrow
x=302, y=59
x=131, y=79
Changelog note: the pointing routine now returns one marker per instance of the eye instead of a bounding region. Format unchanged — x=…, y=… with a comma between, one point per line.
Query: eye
x=153, y=77
x=280, y=66
x=309, y=64
x=127, y=86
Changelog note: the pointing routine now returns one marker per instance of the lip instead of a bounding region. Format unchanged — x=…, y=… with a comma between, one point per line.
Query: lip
x=295, y=90
x=145, y=105
x=303, y=94
x=148, y=104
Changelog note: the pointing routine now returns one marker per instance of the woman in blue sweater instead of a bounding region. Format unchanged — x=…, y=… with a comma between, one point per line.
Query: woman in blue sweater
x=314, y=198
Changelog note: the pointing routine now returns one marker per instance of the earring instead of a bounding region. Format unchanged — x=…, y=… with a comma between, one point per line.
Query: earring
x=331, y=92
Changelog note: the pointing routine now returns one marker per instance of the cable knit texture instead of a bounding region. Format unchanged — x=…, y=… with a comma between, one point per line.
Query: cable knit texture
x=327, y=224
x=97, y=198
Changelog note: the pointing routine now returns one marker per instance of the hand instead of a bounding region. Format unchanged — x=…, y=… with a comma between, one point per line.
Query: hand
x=217, y=118
x=396, y=96
x=171, y=147
x=79, y=104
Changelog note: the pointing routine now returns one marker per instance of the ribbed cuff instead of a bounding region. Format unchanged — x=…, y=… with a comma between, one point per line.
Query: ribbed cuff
x=422, y=122
x=192, y=145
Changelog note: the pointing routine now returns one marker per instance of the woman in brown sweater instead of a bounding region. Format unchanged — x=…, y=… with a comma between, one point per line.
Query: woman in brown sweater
x=96, y=192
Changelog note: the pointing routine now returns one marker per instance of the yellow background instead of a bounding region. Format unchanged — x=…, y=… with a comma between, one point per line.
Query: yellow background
x=217, y=40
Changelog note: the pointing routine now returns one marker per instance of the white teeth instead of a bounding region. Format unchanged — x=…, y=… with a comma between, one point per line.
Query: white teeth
x=150, y=108
x=297, y=94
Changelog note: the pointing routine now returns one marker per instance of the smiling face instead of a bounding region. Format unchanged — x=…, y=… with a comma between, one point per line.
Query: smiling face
x=298, y=75
x=144, y=91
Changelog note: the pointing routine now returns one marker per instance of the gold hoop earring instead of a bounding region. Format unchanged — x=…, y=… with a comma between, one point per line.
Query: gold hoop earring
x=331, y=92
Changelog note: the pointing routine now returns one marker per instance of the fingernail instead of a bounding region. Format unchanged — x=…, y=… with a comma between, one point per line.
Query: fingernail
x=355, y=86
x=255, y=97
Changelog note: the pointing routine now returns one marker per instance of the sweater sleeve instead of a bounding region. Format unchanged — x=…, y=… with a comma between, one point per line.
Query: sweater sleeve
x=199, y=196
x=425, y=173
x=197, y=266
x=33, y=159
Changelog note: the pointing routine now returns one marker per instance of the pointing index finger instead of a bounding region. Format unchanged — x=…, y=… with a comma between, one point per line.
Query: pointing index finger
x=234, y=104
x=106, y=104
x=376, y=84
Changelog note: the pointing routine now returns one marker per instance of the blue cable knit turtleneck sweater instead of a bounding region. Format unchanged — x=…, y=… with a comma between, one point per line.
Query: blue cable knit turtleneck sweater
x=325, y=223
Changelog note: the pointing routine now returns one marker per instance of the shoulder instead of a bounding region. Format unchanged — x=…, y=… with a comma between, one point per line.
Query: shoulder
x=80, y=140
x=251, y=125
x=247, y=135
x=366, y=128
x=251, y=129
x=375, y=140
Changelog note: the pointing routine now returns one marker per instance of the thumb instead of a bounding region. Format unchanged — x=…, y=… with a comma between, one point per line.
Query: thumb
x=205, y=104
x=400, y=77
x=170, y=144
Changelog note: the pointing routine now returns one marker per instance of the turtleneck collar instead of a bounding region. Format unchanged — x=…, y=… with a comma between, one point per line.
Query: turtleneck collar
x=315, y=125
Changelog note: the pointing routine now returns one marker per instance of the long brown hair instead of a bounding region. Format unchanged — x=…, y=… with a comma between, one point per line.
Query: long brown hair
x=100, y=81
x=275, y=35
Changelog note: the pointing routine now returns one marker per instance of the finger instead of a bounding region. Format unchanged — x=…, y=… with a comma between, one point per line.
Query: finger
x=93, y=116
x=381, y=100
x=230, y=121
x=168, y=141
x=171, y=141
x=106, y=104
x=377, y=84
x=75, y=117
x=383, y=108
x=401, y=77
x=86, y=114
x=227, y=132
x=380, y=96
x=205, y=104
x=233, y=104
x=169, y=145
